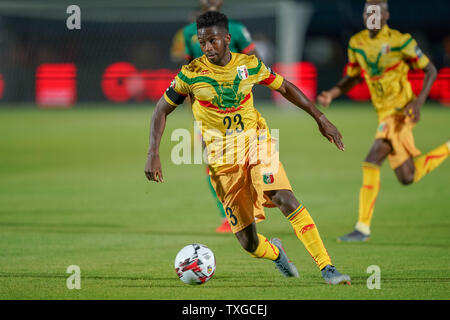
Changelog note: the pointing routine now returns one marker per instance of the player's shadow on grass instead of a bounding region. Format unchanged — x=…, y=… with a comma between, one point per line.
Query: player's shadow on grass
x=84, y=277
x=230, y=283
x=58, y=225
x=152, y=282
x=402, y=244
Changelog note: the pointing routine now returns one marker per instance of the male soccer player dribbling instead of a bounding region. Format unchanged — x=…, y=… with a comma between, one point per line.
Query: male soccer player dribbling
x=241, y=42
x=383, y=57
x=220, y=86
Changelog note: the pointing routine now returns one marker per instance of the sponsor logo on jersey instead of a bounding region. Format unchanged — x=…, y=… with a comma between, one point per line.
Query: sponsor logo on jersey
x=206, y=71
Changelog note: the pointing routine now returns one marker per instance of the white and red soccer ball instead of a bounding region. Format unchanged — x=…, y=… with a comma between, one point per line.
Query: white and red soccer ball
x=195, y=264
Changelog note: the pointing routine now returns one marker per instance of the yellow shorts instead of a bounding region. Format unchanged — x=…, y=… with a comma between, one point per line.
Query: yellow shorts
x=240, y=188
x=397, y=129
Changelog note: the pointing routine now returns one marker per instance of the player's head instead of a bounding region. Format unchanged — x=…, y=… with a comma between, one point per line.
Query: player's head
x=213, y=35
x=210, y=5
x=369, y=15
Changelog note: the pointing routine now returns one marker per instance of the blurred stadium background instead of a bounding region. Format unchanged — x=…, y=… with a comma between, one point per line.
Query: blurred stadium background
x=124, y=51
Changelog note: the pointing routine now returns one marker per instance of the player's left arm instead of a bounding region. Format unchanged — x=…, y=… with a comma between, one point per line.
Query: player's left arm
x=414, y=56
x=297, y=97
x=413, y=108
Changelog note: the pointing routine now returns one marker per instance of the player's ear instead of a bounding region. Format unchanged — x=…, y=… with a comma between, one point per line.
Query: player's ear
x=227, y=38
x=385, y=14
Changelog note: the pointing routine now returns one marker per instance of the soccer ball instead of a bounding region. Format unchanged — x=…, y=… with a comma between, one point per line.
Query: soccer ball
x=195, y=264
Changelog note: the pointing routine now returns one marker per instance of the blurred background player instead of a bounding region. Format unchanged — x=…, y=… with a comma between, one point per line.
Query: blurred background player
x=241, y=40
x=178, y=47
x=383, y=57
x=185, y=44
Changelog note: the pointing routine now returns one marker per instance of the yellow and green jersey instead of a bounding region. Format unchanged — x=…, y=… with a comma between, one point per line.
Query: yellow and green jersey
x=241, y=40
x=221, y=96
x=384, y=62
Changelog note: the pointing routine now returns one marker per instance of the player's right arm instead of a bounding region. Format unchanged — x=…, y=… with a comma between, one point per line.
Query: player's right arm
x=293, y=94
x=173, y=96
x=153, y=170
x=352, y=78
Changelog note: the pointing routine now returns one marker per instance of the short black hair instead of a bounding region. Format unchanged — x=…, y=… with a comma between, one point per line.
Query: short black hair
x=212, y=18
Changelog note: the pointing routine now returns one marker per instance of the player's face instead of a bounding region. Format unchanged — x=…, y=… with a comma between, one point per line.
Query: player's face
x=214, y=42
x=384, y=12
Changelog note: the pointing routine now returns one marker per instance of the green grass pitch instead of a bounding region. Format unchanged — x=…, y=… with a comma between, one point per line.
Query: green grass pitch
x=73, y=192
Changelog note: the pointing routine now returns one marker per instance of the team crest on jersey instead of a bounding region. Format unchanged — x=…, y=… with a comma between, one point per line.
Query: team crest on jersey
x=382, y=127
x=268, y=178
x=385, y=48
x=173, y=84
x=242, y=72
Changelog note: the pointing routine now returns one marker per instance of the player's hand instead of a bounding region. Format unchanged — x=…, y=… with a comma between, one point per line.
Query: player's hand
x=153, y=170
x=330, y=132
x=412, y=110
x=324, y=98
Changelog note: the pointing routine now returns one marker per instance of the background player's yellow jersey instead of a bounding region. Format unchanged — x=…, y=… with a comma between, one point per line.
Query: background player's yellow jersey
x=221, y=96
x=384, y=62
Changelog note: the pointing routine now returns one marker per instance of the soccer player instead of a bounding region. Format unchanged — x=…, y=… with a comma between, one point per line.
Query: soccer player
x=383, y=57
x=220, y=86
x=241, y=41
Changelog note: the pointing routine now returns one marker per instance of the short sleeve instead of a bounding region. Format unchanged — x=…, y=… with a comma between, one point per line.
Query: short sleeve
x=178, y=90
x=269, y=78
x=353, y=67
x=243, y=38
x=412, y=54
